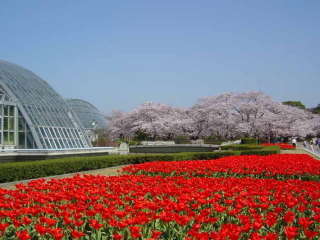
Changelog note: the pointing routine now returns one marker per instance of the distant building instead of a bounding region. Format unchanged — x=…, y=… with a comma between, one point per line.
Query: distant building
x=90, y=117
x=33, y=115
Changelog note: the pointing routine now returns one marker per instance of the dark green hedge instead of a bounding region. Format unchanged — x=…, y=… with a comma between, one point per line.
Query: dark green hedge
x=249, y=141
x=264, y=151
x=242, y=147
x=182, y=140
x=15, y=171
x=170, y=149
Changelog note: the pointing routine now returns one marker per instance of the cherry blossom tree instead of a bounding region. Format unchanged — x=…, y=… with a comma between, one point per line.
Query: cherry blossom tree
x=154, y=119
x=228, y=115
x=255, y=114
x=120, y=124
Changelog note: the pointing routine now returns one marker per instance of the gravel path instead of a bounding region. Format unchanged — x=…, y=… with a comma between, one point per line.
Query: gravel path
x=300, y=151
x=111, y=171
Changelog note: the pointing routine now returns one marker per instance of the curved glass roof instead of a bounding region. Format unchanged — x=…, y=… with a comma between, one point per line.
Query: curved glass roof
x=50, y=119
x=89, y=115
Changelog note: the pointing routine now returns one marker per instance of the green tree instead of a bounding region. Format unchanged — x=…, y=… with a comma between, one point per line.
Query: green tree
x=141, y=135
x=297, y=104
x=316, y=110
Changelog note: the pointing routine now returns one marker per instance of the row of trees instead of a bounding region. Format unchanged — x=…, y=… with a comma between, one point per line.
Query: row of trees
x=226, y=116
x=299, y=104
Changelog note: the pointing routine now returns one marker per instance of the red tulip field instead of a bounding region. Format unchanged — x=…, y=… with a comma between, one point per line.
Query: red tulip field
x=172, y=200
x=280, y=166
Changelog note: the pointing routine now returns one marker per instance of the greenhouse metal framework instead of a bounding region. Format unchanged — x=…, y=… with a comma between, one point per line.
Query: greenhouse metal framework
x=89, y=115
x=33, y=115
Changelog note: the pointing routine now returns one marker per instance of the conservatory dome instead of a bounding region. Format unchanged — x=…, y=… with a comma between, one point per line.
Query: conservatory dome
x=34, y=115
x=89, y=115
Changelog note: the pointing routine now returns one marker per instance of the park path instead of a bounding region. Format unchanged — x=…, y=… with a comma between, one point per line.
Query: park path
x=110, y=171
x=302, y=151
x=115, y=171
x=313, y=150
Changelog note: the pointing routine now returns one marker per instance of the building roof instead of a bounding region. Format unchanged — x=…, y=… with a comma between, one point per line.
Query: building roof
x=89, y=115
x=50, y=119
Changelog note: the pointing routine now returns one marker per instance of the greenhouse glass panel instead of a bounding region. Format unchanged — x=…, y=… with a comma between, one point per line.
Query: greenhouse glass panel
x=22, y=140
x=6, y=123
x=41, y=110
x=11, y=123
x=6, y=138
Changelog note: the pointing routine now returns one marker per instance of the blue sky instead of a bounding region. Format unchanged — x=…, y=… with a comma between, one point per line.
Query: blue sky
x=119, y=54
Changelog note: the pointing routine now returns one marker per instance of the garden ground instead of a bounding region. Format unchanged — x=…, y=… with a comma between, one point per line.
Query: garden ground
x=111, y=171
x=233, y=197
x=115, y=171
x=300, y=151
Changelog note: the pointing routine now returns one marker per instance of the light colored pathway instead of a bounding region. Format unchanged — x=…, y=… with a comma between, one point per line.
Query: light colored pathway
x=304, y=151
x=111, y=171
x=314, y=150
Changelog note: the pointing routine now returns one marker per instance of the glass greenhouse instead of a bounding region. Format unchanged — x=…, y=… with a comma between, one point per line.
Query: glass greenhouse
x=91, y=118
x=89, y=115
x=33, y=115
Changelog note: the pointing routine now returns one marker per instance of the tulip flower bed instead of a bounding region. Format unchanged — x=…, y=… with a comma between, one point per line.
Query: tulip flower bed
x=145, y=207
x=279, y=166
x=283, y=146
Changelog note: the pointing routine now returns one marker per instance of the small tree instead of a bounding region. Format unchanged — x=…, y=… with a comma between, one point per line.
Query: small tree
x=316, y=110
x=297, y=104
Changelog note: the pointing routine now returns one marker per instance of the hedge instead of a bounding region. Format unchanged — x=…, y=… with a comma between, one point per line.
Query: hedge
x=242, y=147
x=264, y=151
x=249, y=141
x=15, y=171
x=170, y=149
